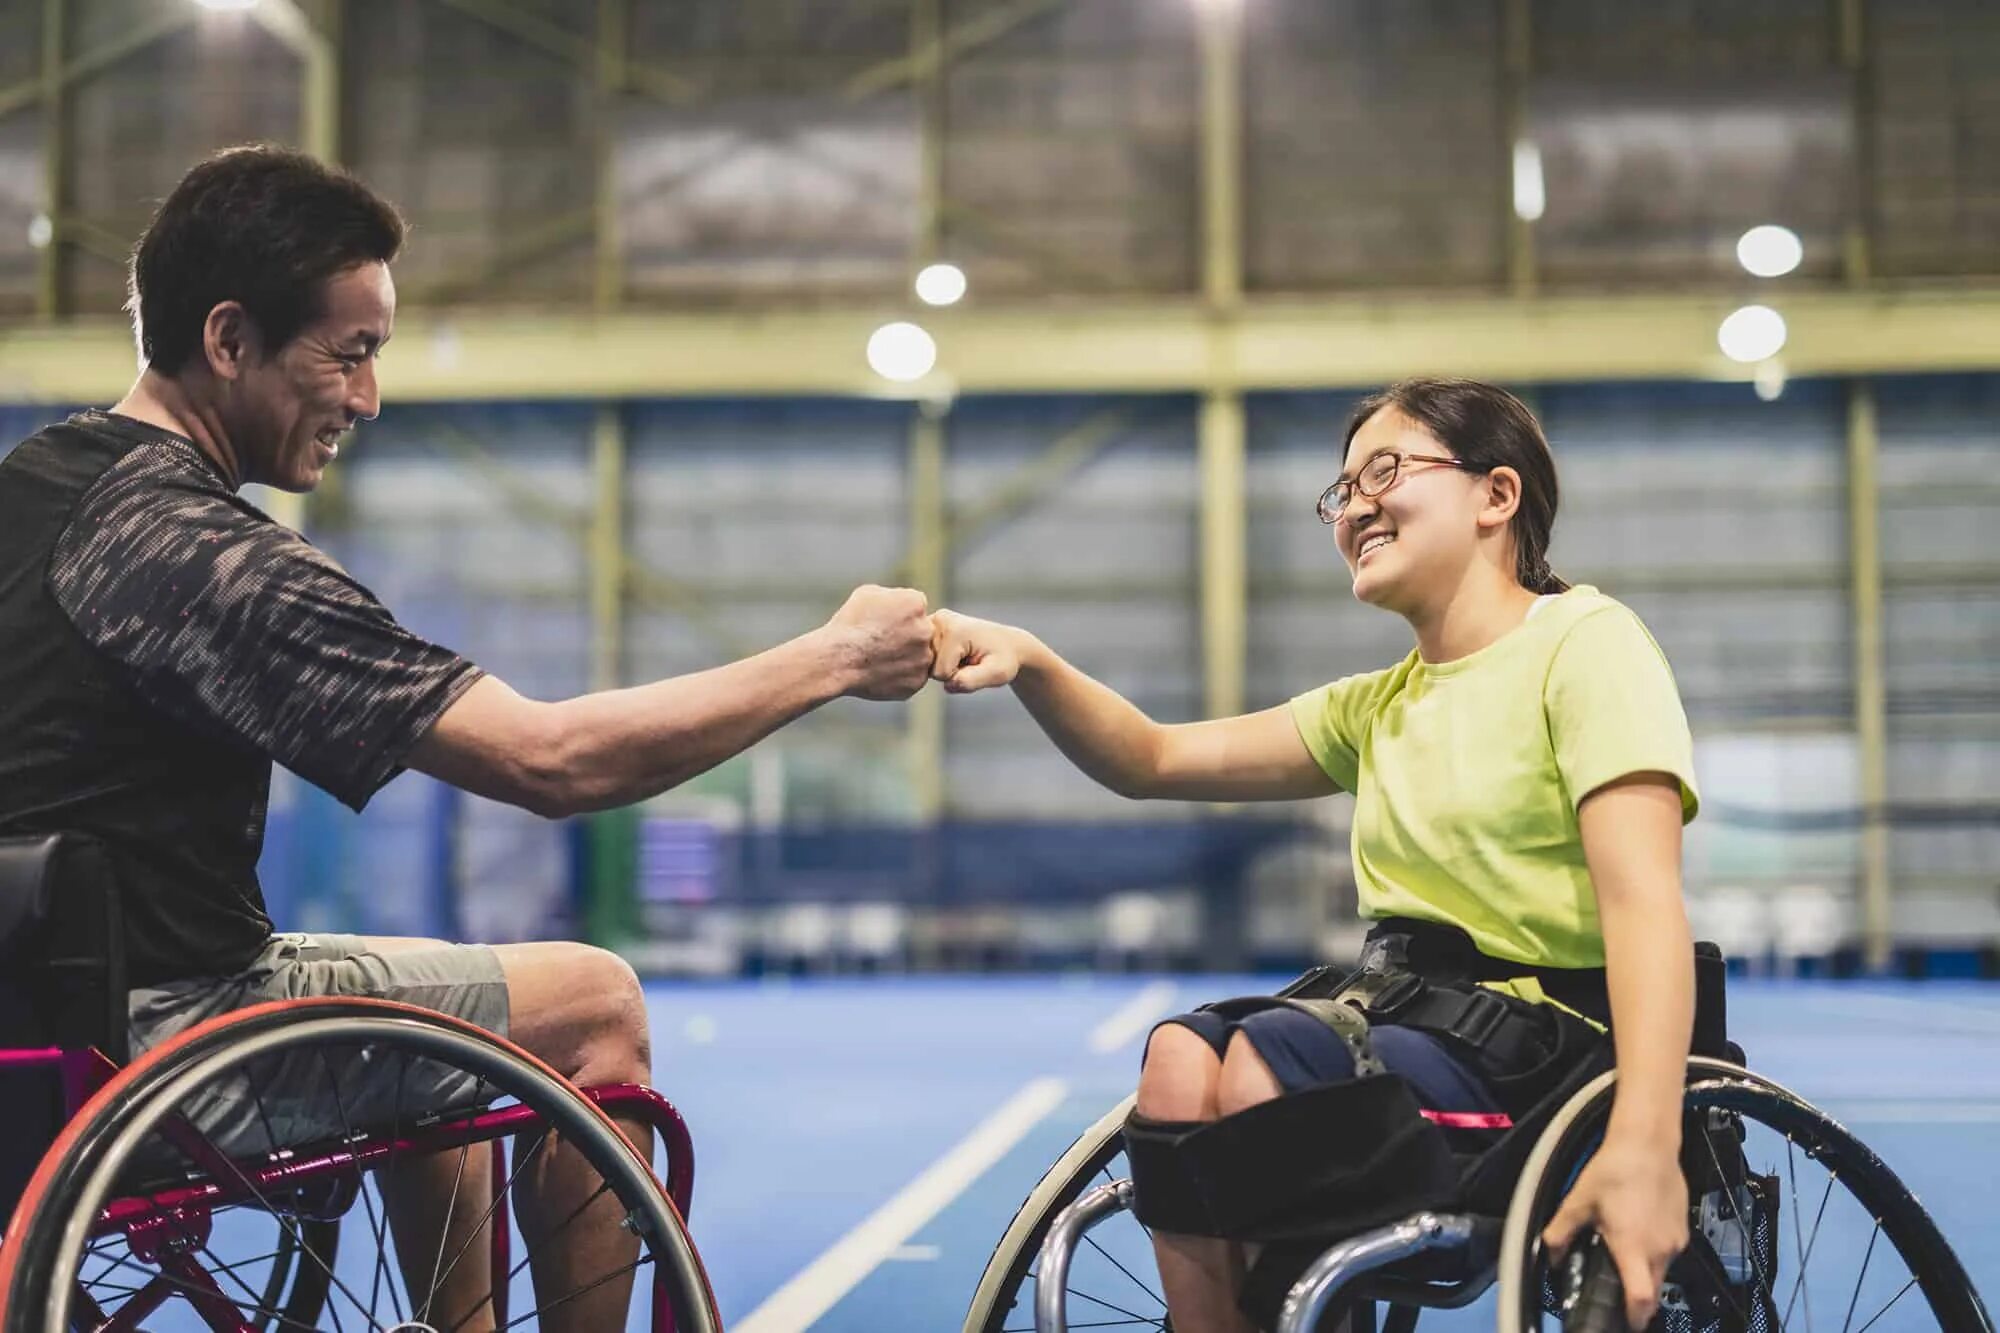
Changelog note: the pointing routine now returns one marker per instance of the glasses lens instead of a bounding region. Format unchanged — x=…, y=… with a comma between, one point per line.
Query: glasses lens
x=1332, y=501
x=1380, y=473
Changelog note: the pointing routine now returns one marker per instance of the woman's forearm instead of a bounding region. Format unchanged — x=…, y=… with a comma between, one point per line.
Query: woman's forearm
x=1096, y=728
x=1649, y=957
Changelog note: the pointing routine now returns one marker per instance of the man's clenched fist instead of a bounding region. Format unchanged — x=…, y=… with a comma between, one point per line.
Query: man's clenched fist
x=882, y=641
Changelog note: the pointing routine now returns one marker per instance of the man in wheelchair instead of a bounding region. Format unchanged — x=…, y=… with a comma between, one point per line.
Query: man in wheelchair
x=166, y=642
x=1521, y=780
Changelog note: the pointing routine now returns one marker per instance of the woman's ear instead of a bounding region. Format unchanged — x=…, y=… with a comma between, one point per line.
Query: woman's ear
x=1503, y=498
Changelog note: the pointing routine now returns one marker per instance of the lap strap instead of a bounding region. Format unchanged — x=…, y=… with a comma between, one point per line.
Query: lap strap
x=1521, y=1048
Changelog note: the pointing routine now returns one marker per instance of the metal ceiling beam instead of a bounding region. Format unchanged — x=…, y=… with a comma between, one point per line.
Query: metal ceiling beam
x=928, y=564
x=1516, y=67
x=969, y=36
x=1871, y=709
x=1159, y=346
x=582, y=53
x=316, y=45
x=1220, y=437
x=55, y=159
x=83, y=65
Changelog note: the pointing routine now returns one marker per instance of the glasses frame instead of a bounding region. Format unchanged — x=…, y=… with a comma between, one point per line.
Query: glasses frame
x=1333, y=501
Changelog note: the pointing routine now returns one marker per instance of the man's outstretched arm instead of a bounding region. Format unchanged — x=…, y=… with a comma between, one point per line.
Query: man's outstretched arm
x=612, y=748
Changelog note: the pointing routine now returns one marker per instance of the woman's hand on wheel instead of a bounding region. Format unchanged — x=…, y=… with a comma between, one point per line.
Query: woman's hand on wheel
x=1633, y=1192
x=970, y=655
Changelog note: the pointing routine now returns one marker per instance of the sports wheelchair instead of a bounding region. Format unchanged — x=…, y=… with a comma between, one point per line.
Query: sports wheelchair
x=1793, y=1224
x=237, y=1178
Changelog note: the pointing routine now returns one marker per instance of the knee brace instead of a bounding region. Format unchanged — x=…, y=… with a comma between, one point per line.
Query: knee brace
x=1325, y=1161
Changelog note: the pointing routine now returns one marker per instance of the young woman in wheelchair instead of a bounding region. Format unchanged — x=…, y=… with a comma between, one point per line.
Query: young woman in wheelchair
x=1521, y=781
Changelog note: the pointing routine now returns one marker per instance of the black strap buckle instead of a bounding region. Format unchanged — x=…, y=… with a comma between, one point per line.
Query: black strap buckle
x=1480, y=1019
x=1384, y=997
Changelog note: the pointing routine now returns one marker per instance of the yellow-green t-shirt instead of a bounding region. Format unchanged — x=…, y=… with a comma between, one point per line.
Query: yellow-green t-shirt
x=1467, y=774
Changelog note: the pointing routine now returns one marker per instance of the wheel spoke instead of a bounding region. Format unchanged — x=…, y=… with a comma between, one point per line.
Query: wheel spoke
x=444, y=1236
x=1861, y=1277
x=264, y=1202
x=99, y=1287
x=603, y=1188
x=1798, y=1237
x=1812, y=1243
x=1153, y=1320
x=499, y=1197
x=1885, y=1309
x=376, y=1223
x=617, y=1272
x=1126, y=1271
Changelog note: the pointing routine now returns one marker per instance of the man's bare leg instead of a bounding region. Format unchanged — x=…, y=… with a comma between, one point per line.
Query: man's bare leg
x=583, y=1011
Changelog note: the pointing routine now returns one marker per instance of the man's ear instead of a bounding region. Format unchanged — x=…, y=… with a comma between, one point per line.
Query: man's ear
x=229, y=340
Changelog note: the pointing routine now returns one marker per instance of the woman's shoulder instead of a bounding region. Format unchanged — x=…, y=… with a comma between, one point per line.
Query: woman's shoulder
x=1582, y=604
x=1585, y=624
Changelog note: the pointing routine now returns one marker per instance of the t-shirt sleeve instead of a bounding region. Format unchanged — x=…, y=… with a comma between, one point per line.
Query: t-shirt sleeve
x=1332, y=721
x=1613, y=709
x=230, y=622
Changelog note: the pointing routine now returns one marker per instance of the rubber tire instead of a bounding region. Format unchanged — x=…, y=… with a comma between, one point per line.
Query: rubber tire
x=993, y=1299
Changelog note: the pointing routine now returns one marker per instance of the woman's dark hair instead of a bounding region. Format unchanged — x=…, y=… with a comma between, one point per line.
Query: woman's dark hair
x=261, y=225
x=1485, y=427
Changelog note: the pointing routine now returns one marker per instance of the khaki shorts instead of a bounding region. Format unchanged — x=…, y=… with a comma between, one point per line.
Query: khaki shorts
x=327, y=1091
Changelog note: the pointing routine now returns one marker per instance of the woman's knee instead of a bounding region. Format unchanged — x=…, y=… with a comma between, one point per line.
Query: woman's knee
x=1178, y=1079
x=1244, y=1080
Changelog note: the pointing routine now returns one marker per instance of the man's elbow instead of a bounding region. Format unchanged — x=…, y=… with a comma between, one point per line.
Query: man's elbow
x=550, y=770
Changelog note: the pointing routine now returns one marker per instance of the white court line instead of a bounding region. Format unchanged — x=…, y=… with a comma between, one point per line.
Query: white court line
x=819, y=1285
x=1133, y=1017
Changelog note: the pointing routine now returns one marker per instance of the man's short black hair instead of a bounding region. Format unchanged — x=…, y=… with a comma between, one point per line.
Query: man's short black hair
x=261, y=225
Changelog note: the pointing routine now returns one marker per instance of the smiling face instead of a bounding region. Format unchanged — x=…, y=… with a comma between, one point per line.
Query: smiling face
x=289, y=408
x=1412, y=543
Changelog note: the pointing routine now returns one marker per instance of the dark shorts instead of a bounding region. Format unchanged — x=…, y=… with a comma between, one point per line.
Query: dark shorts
x=1303, y=1052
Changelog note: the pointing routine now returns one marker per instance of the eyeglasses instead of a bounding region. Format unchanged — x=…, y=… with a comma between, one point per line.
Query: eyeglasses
x=1378, y=476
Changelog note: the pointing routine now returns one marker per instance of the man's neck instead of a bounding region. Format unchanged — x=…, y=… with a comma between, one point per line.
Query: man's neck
x=160, y=400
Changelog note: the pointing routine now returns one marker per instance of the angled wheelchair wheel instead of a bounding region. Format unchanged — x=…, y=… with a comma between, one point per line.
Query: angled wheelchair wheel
x=336, y=1164
x=1796, y=1224
x=1112, y=1282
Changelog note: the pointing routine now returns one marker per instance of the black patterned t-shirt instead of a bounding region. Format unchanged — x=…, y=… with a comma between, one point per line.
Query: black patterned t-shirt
x=165, y=641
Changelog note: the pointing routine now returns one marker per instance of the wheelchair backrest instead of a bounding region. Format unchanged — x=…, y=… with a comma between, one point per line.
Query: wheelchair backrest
x=62, y=984
x=62, y=966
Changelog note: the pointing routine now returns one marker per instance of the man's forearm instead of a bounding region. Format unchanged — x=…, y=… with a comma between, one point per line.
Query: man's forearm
x=621, y=746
